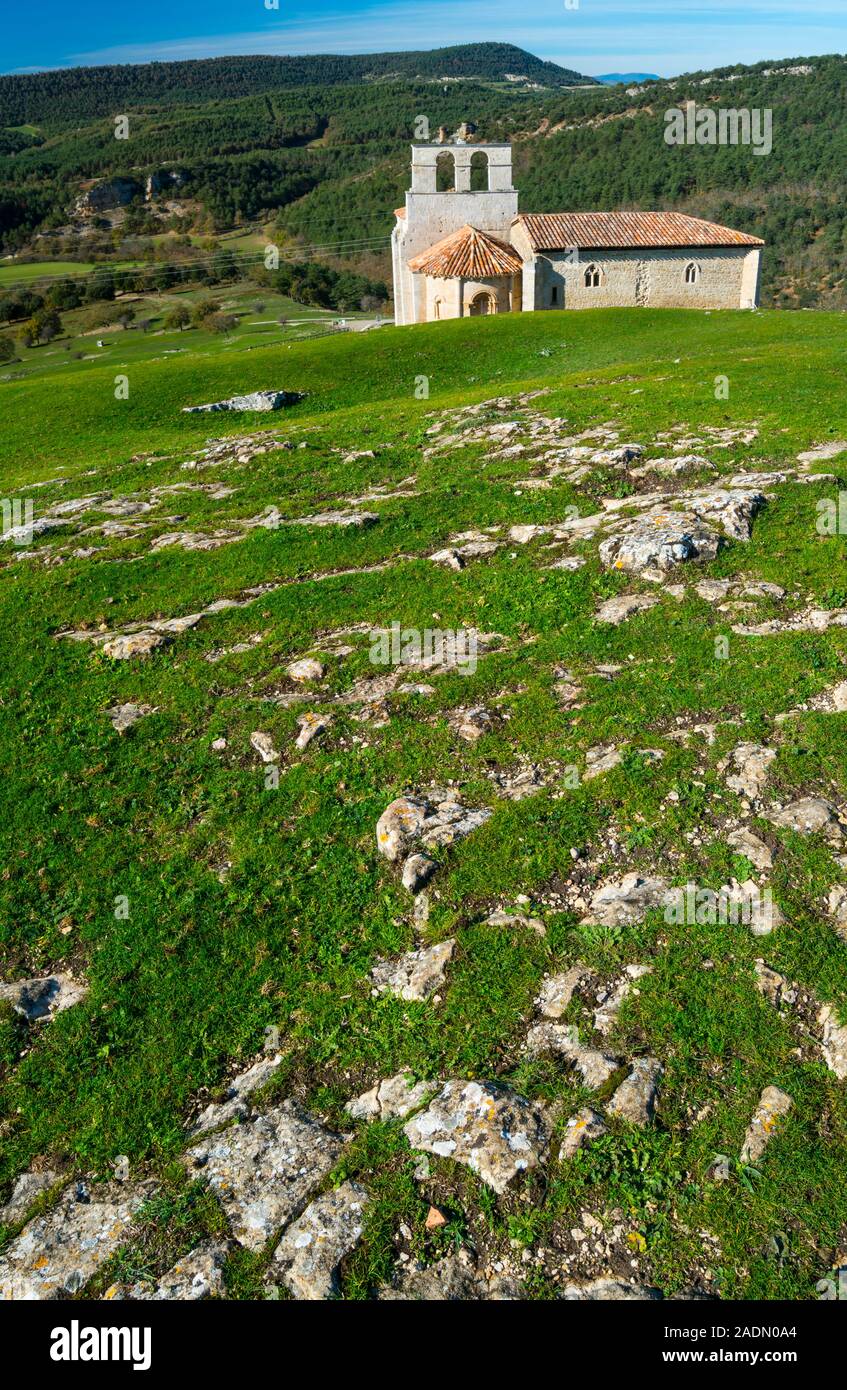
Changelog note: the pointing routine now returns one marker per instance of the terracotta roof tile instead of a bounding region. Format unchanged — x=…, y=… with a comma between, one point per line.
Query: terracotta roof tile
x=469, y=253
x=555, y=231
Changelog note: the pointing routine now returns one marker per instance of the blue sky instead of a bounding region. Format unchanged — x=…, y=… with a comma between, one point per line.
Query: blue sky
x=662, y=36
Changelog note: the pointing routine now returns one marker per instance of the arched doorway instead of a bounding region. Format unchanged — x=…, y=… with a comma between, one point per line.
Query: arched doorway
x=482, y=303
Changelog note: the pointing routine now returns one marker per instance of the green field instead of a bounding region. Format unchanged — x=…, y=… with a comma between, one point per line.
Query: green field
x=204, y=905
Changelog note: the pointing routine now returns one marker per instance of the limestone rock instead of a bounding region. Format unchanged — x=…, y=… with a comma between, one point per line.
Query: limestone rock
x=499, y=918
x=308, y=668
x=334, y=519
x=127, y=645
x=197, y=1276
x=600, y=760
x=471, y=724
x=773, y=1105
x=663, y=543
x=772, y=985
x=635, y=1098
x=235, y=1102
x=581, y=1129
x=264, y=1171
x=809, y=815
x=311, y=725
x=391, y=1099
x=398, y=825
x=752, y=763
x=627, y=901
x=417, y=871
x=451, y=1280
x=744, y=842
x=610, y=1291
x=558, y=990
x=616, y=610
x=312, y=1248
x=256, y=400
x=594, y=1067
x=408, y=819
x=611, y=998
x=41, y=998
x=263, y=744
x=484, y=1125
x=415, y=975
x=27, y=1187
x=124, y=716
x=57, y=1253
x=833, y=1041
x=837, y=905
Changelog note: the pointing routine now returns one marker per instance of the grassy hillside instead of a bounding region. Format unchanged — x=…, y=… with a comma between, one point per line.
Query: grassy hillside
x=213, y=911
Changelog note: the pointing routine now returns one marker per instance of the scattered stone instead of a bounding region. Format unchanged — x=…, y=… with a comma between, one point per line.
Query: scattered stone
x=581, y=1129
x=558, y=990
x=744, y=842
x=833, y=1041
x=451, y=1280
x=218, y=745
x=127, y=645
x=263, y=745
x=601, y=759
x=617, y=610
x=391, y=1099
x=629, y=900
x=499, y=918
x=26, y=1189
x=124, y=716
x=484, y=1125
x=196, y=1276
x=56, y=1254
x=610, y=1291
x=435, y=1219
x=837, y=905
x=611, y=997
x=772, y=985
x=752, y=763
x=408, y=819
x=235, y=1103
x=311, y=725
x=829, y=450
x=773, y=1105
x=263, y=1171
x=810, y=815
x=415, y=975
x=594, y=1067
x=635, y=1098
x=307, y=669
x=40, y=999
x=471, y=724
x=313, y=1246
x=417, y=871
x=256, y=400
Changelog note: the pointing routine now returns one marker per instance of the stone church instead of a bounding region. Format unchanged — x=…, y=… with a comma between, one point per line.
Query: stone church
x=460, y=246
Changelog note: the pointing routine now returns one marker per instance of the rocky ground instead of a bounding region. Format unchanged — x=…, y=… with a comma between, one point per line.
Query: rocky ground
x=569, y=1012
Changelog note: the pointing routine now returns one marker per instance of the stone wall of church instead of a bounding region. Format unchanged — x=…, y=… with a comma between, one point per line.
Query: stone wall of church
x=727, y=278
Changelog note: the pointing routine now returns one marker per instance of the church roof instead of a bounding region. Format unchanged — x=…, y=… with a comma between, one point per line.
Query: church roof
x=557, y=231
x=469, y=253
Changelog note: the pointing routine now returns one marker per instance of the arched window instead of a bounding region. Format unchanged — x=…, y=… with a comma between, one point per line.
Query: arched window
x=482, y=303
x=436, y=308
x=692, y=273
x=479, y=172
x=445, y=172
x=592, y=277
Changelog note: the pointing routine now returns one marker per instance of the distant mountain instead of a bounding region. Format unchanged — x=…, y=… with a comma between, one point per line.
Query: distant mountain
x=611, y=78
x=84, y=93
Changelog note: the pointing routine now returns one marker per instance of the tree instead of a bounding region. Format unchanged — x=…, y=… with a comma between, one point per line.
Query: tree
x=203, y=309
x=7, y=350
x=177, y=316
x=220, y=323
x=43, y=327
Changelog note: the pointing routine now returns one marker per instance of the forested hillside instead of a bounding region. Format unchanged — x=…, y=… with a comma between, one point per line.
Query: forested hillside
x=328, y=161
x=81, y=93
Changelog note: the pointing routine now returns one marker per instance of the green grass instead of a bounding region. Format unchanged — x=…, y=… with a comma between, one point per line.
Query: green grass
x=284, y=937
